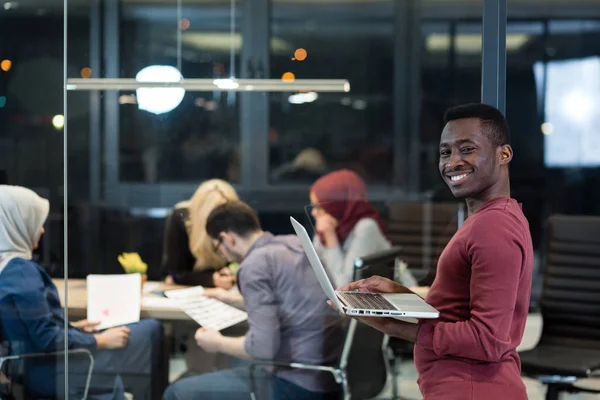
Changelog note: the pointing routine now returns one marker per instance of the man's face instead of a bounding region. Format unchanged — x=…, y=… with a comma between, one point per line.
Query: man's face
x=226, y=247
x=469, y=162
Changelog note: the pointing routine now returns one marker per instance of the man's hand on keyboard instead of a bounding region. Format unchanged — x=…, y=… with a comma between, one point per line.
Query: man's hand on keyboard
x=389, y=326
x=375, y=284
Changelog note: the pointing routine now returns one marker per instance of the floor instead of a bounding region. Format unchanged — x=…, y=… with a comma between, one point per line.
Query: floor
x=407, y=380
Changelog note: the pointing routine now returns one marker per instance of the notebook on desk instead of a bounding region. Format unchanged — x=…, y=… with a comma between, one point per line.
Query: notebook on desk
x=114, y=300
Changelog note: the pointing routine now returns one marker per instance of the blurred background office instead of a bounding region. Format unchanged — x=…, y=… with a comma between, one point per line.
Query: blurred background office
x=406, y=63
x=133, y=154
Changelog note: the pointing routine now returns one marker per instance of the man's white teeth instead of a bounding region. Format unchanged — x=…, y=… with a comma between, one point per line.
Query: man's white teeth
x=458, y=177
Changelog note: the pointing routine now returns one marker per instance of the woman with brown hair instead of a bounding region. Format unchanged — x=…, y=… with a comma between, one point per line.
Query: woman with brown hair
x=188, y=254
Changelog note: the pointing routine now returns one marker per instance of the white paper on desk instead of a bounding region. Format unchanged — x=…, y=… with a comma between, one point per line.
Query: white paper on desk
x=149, y=287
x=114, y=300
x=162, y=302
x=209, y=313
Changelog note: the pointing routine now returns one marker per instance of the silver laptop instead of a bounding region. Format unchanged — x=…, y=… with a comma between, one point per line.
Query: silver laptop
x=359, y=303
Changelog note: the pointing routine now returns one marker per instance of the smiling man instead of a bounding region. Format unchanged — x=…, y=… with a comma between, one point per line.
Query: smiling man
x=483, y=281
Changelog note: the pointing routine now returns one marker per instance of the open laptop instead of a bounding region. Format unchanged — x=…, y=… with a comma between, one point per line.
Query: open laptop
x=359, y=303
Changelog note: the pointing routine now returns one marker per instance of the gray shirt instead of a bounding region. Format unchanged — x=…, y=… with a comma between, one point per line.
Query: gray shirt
x=288, y=314
x=365, y=239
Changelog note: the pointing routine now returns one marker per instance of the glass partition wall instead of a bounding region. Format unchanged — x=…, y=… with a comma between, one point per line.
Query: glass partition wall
x=267, y=95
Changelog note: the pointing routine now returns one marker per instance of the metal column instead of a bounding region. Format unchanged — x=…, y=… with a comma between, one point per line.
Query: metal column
x=493, y=63
x=407, y=95
x=254, y=107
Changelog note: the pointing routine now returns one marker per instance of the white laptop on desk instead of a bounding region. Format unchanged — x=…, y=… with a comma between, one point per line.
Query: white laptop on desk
x=366, y=304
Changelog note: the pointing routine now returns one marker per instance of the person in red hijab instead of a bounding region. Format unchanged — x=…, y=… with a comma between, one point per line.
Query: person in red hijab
x=346, y=223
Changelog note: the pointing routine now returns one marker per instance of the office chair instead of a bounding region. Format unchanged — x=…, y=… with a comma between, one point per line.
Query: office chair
x=569, y=348
x=12, y=378
x=386, y=263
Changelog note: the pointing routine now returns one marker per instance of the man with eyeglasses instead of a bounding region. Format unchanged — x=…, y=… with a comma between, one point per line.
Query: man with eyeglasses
x=288, y=317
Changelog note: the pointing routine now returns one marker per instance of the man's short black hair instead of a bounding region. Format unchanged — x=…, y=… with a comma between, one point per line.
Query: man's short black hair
x=492, y=120
x=233, y=216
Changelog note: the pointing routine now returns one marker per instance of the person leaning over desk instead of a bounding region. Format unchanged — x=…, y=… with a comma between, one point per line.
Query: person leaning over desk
x=188, y=256
x=32, y=319
x=288, y=318
x=483, y=282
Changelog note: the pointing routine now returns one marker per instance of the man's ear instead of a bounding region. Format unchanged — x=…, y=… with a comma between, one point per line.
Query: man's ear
x=506, y=154
x=228, y=237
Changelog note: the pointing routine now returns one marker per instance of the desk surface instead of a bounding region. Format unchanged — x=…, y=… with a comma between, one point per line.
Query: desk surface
x=153, y=305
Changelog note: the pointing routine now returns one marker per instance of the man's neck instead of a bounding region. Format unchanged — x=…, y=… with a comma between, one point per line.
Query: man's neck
x=251, y=239
x=475, y=203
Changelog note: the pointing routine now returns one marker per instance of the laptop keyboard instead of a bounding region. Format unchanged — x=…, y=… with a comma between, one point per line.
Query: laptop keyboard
x=366, y=301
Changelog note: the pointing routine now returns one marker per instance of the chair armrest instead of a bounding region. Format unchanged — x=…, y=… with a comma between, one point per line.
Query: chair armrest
x=337, y=373
x=378, y=258
x=43, y=355
x=324, y=368
x=55, y=353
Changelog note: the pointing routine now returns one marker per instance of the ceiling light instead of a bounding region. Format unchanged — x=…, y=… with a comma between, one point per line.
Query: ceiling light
x=58, y=121
x=221, y=41
x=226, y=84
x=209, y=85
x=301, y=98
x=162, y=99
x=547, y=128
x=471, y=42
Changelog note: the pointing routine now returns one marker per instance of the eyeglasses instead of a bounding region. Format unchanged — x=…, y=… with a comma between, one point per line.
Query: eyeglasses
x=216, y=246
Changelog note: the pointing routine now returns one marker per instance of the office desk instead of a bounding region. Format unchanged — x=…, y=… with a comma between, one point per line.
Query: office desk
x=153, y=306
x=151, y=303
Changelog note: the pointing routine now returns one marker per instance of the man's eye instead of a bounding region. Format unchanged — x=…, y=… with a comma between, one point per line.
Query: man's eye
x=444, y=152
x=467, y=149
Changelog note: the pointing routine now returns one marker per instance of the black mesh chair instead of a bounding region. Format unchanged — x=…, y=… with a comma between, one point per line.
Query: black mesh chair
x=385, y=263
x=423, y=230
x=569, y=348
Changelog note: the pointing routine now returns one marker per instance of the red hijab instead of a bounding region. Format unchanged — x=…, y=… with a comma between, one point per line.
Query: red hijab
x=343, y=195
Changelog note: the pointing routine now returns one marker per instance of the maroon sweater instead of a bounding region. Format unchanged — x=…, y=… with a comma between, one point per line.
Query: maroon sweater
x=482, y=291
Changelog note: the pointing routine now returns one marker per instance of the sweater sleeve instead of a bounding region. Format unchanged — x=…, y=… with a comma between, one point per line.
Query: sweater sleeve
x=496, y=251
x=196, y=278
x=366, y=239
x=177, y=259
x=45, y=325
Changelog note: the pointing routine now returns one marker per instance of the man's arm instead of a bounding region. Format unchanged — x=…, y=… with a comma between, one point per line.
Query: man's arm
x=263, y=336
x=262, y=339
x=496, y=252
x=234, y=346
x=233, y=298
x=236, y=300
x=212, y=341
